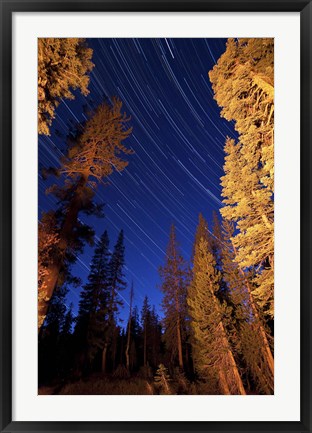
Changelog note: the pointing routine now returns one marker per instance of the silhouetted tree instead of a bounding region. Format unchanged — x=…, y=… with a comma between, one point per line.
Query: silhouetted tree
x=146, y=327
x=129, y=329
x=116, y=283
x=93, y=305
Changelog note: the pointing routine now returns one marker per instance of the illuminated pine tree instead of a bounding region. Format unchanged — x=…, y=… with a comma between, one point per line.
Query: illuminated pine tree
x=201, y=232
x=47, y=241
x=252, y=337
x=175, y=277
x=217, y=249
x=213, y=357
x=162, y=380
x=93, y=154
x=64, y=65
x=253, y=214
x=243, y=85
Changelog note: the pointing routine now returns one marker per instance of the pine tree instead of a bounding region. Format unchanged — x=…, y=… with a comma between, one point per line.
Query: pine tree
x=155, y=338
x=150, y=340
x=254, y=242
x=68, y=322
x=146, y=327
x=217, y=249
x=243, y=84
x=213, y=356
x=175, y=278
x=94, y=297
x=251, y=332
x=64, y=65
x=56, y=314
x=216, y=239
x=116, y=283
x=93, y=155
x=135, y=338
x=162, y=380
x=201, y=232
x=50, y=350
x=66, y=345
x=47, y=241
x=129, y=329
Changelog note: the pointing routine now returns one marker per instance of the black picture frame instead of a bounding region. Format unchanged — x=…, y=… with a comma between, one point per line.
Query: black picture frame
x=7, y=10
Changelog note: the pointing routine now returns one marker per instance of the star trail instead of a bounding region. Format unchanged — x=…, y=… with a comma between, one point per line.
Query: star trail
x=178, y=138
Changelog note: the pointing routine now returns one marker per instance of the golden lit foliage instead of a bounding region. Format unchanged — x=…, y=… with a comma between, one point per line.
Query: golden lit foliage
x=47, y=240
x=243, y=84
x=162, y=380
x=96, y=152
x=250, y=336
x=63, y=66
x=213, y=357
x=201, y=232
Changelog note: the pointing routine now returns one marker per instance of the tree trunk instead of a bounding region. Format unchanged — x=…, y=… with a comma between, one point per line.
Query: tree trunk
x=231, y=363
x=266, y=350
x=49, y=283
x=129, y=331
x=127, y=351
x=144, y=346
x=223, y=383
x=114, y=347
x=179, y=337
x=179, y=343
x=104, y=356
x=53, y=270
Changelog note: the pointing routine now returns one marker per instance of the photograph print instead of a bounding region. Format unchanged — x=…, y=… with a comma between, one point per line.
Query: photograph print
x=156, y=216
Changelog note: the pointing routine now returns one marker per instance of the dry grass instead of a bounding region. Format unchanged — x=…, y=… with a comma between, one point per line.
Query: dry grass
x=108, y=386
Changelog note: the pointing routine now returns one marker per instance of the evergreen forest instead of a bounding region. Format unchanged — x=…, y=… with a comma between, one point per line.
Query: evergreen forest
x=207, y=326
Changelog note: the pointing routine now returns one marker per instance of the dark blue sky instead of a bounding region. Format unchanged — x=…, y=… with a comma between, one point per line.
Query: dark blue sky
x=178, y=139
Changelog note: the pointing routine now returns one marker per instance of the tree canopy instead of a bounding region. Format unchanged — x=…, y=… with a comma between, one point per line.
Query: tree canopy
x=64, y=65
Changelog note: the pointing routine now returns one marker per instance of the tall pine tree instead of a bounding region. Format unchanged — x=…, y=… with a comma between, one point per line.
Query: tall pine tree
x=175, y=278
x=213, y=356
x=252, y=336
x=93, y=306
x=50, y=348
x=129, y=329
x=94, y=153
x=146, y=327
x=243, y=84
x=116, y=284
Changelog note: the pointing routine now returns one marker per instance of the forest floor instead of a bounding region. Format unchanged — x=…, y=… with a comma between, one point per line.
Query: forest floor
x=99, y=384
x=107, y=385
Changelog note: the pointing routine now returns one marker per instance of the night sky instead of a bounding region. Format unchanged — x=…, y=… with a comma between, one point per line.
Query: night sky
x=178, y=139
